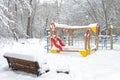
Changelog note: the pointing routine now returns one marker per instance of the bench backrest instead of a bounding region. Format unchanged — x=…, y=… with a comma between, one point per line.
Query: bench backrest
x=23, y=65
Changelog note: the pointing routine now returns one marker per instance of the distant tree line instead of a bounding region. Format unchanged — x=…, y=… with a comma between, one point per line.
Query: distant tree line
x=30, y=18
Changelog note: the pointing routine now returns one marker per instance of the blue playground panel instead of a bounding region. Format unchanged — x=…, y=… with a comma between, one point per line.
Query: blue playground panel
x=47, y=31
x=104, y=41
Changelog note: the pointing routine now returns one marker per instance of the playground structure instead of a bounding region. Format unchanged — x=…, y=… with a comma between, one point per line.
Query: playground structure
x=106, y=40
x=62, y=38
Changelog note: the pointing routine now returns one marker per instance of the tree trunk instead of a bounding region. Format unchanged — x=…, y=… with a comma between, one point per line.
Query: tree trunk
x=92, y=8
x=29, y=27
x=29, y=31
x=106, y=17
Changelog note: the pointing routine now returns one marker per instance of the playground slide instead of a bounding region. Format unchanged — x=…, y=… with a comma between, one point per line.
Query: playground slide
x=56, y=45
x=60, y=41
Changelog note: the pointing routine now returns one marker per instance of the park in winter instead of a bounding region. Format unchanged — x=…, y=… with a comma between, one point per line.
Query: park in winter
x=59, y=39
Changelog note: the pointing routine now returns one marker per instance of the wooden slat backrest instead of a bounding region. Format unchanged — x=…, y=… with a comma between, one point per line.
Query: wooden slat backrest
x=23, y=65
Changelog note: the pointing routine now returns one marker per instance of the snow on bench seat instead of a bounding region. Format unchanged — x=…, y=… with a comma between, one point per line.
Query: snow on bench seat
x=20, y=56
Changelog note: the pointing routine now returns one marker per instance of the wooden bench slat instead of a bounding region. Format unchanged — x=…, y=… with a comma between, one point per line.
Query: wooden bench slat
x=23, y=65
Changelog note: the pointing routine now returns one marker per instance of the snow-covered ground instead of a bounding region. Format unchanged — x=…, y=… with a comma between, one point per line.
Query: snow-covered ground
x=100, y=65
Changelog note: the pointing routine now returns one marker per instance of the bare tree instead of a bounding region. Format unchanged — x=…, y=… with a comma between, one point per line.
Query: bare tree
x=29, y=27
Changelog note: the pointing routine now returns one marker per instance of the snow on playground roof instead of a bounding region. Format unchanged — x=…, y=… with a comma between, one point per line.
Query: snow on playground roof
x=74, y=27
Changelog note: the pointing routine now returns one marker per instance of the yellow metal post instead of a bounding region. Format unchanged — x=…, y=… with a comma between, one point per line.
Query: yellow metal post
x=83, y=53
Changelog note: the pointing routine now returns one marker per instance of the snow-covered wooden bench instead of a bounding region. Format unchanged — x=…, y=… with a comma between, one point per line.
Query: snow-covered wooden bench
x=23, y=63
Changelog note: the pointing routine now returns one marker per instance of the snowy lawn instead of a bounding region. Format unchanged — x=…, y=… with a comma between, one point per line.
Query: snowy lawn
x=100, y=65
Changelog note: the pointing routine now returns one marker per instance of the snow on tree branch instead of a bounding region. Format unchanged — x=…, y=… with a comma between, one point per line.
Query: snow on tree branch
x=22, y=4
